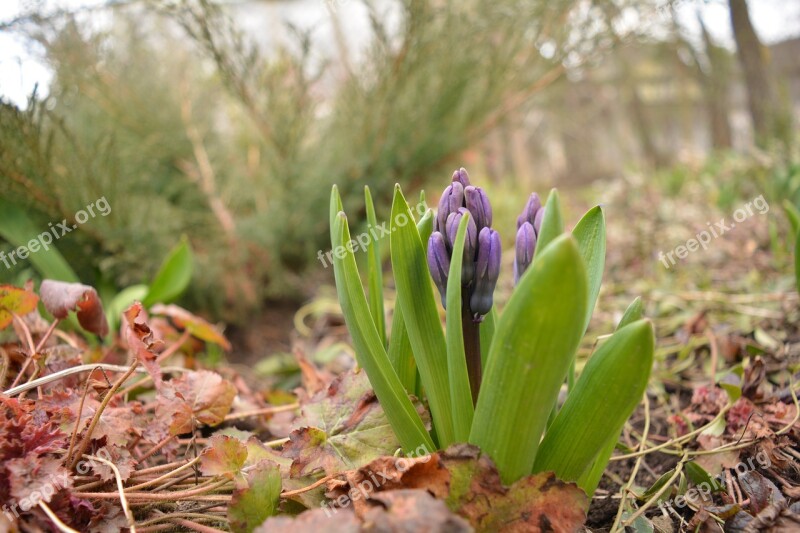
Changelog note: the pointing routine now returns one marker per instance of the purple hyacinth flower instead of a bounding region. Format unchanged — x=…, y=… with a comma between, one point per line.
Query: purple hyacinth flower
x=439, y=263
x=470, y=243
x=452, y=199
x=532, y=207
x=487, y=270
x=537, y=221
x=461, y=177
x=478, y=204
x=525, y=248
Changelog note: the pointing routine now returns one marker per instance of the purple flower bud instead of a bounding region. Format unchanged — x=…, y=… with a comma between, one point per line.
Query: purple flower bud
x=461, y=177
x=532, y=207
x=525, y=247
x=439, y=263
x=537, y=221
x=487, y=270
x=470, y=242
x=452, y=199
x=478, y=204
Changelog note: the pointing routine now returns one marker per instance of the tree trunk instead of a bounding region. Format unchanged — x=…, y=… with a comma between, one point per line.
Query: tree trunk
x=716, y=92
x=754, y=58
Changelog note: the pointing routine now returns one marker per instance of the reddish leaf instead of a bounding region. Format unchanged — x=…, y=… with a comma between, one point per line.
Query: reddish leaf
x=121, y=458
x=194, y=397
x=223, y=456
x=192, y=323
x=143, y=343
x=15, y=300
x=33, y=479
x=413, y=510
x=313, y=521
x=59, y=298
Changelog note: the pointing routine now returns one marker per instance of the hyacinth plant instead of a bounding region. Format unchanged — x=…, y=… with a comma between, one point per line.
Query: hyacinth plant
x=493, y=379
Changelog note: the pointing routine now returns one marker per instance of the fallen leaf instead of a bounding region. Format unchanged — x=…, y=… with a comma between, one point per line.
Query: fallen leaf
x=142, y=342
x=59, y=298
x=17, y=301
x=313, y=521
x=257, y=500
x=412, y=510
x=192, y=323
x=195, y=397
x=340, y=428
x=223, y=456
x=121, y=458
x=36, y=478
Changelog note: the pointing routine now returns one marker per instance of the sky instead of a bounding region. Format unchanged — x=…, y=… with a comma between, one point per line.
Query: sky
x=21, y=68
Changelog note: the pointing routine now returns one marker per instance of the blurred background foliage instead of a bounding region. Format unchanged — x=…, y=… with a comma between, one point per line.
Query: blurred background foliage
x=180, y=115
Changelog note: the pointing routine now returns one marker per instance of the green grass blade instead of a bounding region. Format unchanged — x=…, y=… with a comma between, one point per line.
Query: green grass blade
x=634, y=312
x=374, y=270
x=370, y=353
x=534, y=344
x=425, y=227
x=590, y=232
x=416, y=299
x=460, y=392
x=609, y=389
x=793, y=215
x=552, y=223
x=173, y=277
x=18, y=229
x=487, y=334
x=335, y=208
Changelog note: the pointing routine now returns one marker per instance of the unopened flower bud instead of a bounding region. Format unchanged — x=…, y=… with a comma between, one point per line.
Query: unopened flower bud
x=461, y=177
x=470, y=242
x=487, y=270
x=525, y=247
x=537, y=221
x=439, y=263
x=478, y=204
x=532, y=207
x=452, y=199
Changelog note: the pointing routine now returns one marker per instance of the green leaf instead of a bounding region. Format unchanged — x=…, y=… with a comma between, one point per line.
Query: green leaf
x=590, y=232
x=534, y=344
x=257, y=499
x=487, y=334
x=400, y=353
x=173, y=277
x=793, y=214
x=592, y=476
x=552, y=223
x=370, y=353
x=698, y=475
x=374, y=270
x=634, y=312
x=609, y=389
x=416, y=299
x=460, y=393
x=18, y=229
x=797, y=261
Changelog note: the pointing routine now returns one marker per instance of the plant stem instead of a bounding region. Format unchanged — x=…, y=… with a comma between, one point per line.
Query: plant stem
x=472, y=347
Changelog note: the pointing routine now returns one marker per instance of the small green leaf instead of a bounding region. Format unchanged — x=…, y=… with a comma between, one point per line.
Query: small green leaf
x=590, y=232
x=793, y=214
x=416, y=299
x=534, y=344
x=256, y=499
x=552, y=223
x=173, y=277
x=374, y=270
x=617, y=374
x=460, y=393
x=634, y=312
x=657, y=486
x=698, y=475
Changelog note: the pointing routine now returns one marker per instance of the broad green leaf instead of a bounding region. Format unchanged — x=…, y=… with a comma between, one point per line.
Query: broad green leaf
x=256, y=499
x=18, y=229
x=370, y=353
x=592, y=476
x=552, y=223
x=698, y=475
x=173, y=277
x=400, y=353
x=590, y=232
x=793, y=214
x=487, y=334
x=374, y=270
x=416, y=299
x=460, y=393
x=534, y=344
x=609, y=389
x=634, y=312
